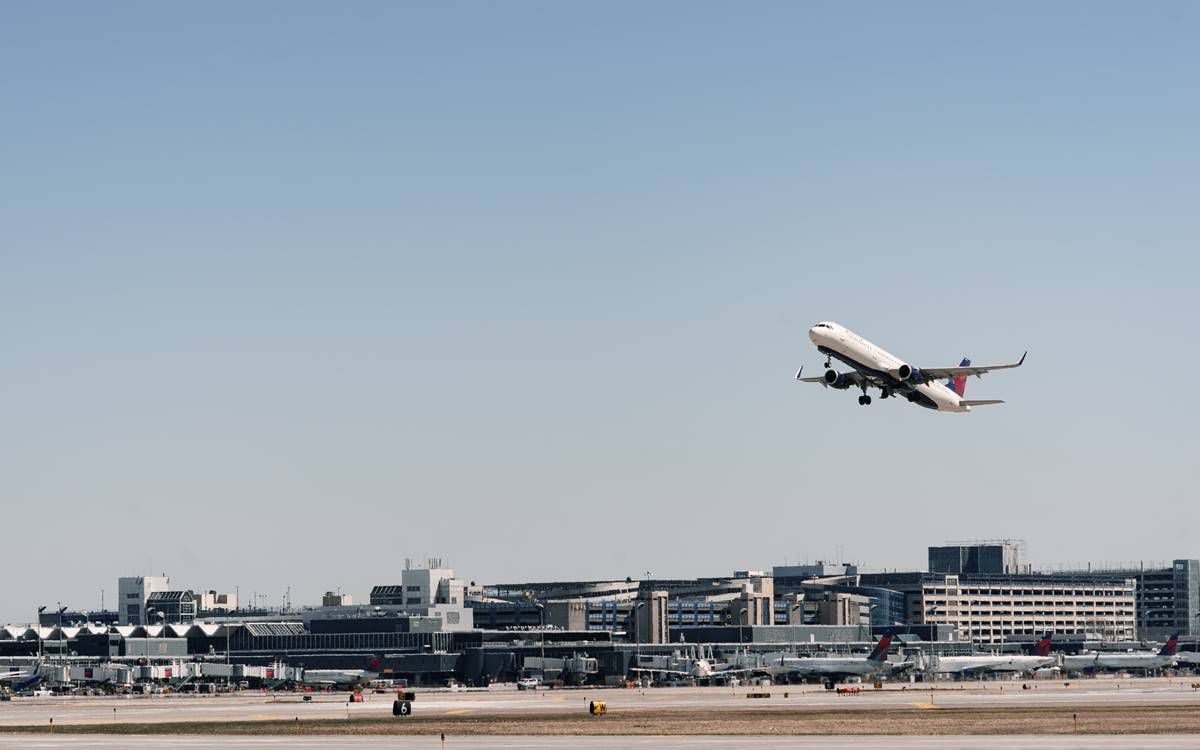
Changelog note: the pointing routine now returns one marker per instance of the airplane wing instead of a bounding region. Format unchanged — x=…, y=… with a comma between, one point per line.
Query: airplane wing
x=855, y=378
x=740, y=670
x=974, y=670
x=944, y=373
x=816, y=668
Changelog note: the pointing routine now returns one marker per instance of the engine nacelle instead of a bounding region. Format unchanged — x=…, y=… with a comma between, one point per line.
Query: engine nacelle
x=836, y=380
x=908, y=373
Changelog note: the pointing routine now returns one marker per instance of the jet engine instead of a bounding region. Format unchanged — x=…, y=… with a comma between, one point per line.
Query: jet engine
x=908, y=373
x=836, y=380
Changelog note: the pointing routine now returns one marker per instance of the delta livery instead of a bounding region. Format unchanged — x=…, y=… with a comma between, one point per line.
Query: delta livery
x=872, y=367
x=979, y=664
x=1125, y=660
x=835, y=669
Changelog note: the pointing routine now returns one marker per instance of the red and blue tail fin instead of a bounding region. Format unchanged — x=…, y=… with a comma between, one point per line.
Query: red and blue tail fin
x=881, y=649
x=1042, y=647
x=959, y=384
x=1171, y=646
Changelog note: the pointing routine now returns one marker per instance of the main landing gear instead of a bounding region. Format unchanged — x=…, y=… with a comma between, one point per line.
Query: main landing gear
x=864, y=400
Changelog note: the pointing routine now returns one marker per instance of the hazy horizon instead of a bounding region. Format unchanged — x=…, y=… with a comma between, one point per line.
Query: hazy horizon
x=295, y=291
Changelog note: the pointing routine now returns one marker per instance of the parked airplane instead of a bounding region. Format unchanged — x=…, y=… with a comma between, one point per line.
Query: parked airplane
x=682, y=667
x=836, y=669
x=343, y=678
x=979, y=664
x=1165, y=657
x=873, y=367
x=20, y=680
x=1190, y=659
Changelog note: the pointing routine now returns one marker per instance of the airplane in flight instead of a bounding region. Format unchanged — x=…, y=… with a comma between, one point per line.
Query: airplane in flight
x=872, y=367
x=1125, y=660
x=964, y=666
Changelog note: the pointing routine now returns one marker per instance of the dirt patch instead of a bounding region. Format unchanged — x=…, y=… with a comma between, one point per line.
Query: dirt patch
x=782, y=721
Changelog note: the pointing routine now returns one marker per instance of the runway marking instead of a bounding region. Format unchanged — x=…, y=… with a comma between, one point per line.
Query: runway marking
x=458, y=712
x=924, y=705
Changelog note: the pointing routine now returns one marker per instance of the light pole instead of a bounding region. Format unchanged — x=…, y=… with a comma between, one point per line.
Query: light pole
x=792, y=626
x=62, y=643
x=637, y=627
x=38, y=630
x=542, y=619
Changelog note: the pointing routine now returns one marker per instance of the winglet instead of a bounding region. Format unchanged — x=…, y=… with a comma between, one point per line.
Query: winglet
x=1018, y=363
x=798, y=372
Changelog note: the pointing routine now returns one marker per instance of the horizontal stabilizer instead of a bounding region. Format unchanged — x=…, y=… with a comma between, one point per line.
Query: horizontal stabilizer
x=981, y=402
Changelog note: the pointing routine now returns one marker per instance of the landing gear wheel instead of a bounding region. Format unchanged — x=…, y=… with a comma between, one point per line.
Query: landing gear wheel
x=861, y=401
x=867, y=400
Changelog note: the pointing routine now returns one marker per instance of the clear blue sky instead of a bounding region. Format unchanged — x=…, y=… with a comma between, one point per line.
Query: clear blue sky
x=293, y=291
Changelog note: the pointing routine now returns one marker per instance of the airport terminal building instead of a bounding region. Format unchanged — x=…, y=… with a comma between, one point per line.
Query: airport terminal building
x=997, y=609
x=431, y=627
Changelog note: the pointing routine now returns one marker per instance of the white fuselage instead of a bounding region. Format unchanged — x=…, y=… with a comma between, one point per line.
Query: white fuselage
x=996, y=663
x=859, y=666
x=338, y=677
x=1135, y=660
x=843, y=344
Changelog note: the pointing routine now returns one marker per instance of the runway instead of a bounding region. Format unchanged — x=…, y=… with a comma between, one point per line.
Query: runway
x=505, y=701
x=1028, y=742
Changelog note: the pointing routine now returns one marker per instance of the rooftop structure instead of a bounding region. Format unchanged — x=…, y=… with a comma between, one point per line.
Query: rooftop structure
x=132, y=593
x=980, y=558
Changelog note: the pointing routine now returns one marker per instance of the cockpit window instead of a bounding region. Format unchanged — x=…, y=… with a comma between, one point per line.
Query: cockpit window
x=822, y=325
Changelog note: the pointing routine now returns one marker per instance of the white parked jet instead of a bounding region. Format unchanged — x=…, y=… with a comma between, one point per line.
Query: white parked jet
x=875, y=368
x=697, y=667
x=834, y=669
x=982, y=663
x=1125, y=660
x=18, y=680
x=342, y=678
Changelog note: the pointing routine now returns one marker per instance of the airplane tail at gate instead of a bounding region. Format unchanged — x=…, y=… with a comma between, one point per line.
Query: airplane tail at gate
x=1171, y=646
x=1042, y=647
x=881, y=649
x=959, y=384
